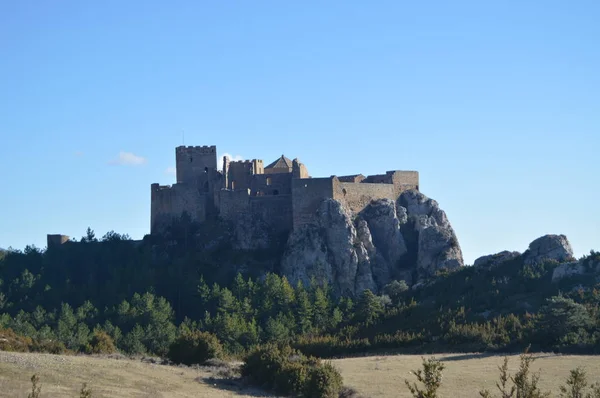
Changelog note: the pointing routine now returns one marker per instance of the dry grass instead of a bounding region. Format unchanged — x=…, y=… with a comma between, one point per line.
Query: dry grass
x=464, y=376
x=62, y=376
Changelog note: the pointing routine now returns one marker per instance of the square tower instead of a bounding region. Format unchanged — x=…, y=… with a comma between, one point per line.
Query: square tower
x=195, y=162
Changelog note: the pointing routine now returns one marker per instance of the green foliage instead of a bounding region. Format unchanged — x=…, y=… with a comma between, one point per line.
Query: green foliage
x=576, y=386
x=524, y=382
x=324, y=381
x=431, y=378
x=195, y=348
x=287, y=372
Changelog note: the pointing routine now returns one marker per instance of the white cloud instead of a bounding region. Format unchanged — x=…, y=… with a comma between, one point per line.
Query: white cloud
x=231, y=159
x=128, y=159
x=171, y=171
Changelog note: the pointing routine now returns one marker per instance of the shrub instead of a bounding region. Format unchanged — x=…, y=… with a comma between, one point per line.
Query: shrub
x=431, y=378
x=324, y=381
x=288, y=372
x=195, y=348
x=50, y=346
x=100, y=343
x=36, y=389
x=10, y=341
x=525, y=383
x=85, y=391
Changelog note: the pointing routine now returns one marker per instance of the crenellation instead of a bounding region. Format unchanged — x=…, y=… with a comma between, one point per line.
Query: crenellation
x=281, y=195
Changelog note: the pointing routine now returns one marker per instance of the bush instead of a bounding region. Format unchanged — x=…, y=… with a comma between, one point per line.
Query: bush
x=324, y=381
x=195, y=348
x=288, y=372
x=10, y=341
x=431, y=378
x=100, y=343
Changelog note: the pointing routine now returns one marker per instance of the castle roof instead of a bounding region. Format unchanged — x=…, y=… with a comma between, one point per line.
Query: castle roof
x=280, y=163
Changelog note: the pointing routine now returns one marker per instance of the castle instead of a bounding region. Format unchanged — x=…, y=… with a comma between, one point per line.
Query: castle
x=282, y=194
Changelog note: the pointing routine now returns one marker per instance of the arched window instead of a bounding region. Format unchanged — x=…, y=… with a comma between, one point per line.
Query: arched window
x=268, y=181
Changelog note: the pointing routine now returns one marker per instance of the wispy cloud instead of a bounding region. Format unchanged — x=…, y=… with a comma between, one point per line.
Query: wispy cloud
x=128, y=159
x=171, y=171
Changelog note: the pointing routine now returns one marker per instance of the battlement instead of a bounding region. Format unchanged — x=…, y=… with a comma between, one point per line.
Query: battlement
x=206, y=149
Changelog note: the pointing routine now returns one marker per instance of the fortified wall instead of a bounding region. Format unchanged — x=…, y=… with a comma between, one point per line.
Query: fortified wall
x=281, y=195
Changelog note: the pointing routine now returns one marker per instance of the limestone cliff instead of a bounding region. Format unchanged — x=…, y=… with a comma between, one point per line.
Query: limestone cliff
x=408, y=239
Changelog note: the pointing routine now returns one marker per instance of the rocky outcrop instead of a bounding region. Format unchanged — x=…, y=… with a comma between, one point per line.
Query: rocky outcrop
x=407, y=239
x=436, y=242
x=492, y=260
x=566, y=270
x=549, y=248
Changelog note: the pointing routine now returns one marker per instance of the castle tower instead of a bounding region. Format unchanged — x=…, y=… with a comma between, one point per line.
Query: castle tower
x=194, y=163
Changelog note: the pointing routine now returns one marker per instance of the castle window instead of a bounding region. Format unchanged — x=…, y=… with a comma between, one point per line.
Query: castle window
x=191, y=159
x=232, y=185
x=268, y=181
x=206, y=169
x=344, y=191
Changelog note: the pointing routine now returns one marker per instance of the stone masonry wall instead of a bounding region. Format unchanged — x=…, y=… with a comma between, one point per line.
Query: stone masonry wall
x=307, y=195
x=233, y=203
x=356, y=196
x=193, y=161
x=275, y=211
x=169, y=202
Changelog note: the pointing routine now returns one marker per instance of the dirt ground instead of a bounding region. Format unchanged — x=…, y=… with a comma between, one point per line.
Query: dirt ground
x=376, y=376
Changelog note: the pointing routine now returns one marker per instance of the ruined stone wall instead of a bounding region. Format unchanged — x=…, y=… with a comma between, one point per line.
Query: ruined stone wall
x=170, y=202
x=299, y=170
x=404, y=180
x=271, y=184
x=240, y=175
x=56, y=239
x=307, y=195
x=193, y=161
x=356, y=196
x=352, y=178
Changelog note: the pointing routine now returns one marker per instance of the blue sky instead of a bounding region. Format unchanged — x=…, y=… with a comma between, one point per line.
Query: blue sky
x=496, y=104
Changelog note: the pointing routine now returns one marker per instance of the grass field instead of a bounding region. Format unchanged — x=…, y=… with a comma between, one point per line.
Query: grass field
x=377, y=376
x=465, y=374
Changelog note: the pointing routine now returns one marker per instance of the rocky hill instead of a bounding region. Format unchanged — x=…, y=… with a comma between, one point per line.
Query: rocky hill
x=406, y=240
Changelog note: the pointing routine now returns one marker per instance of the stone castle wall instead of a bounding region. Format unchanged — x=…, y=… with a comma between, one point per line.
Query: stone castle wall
x=356, y=196
x=170, y=202
x=307, y=195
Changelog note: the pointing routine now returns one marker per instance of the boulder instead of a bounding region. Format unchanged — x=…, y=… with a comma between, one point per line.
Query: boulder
x=492, y=260
x=549, y=248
